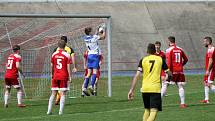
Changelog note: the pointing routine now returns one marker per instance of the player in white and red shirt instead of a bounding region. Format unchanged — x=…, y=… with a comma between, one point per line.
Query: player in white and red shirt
x=85, y=84
x=92, y=43
x=176, y=59
x=209, y=68
x=11, y=76
x=60, y=66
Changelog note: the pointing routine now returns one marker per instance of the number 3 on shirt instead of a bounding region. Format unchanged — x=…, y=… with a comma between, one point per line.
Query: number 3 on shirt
x=9, y=64
x=59, y=64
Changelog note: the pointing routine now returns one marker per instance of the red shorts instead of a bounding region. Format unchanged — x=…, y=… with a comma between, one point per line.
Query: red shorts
x=210, y=77
x=97, y=73
x=12, y=82
x=61, y=85
x=178, y=78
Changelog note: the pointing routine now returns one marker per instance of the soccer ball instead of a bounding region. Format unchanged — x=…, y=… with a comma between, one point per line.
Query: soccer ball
x=101, y=28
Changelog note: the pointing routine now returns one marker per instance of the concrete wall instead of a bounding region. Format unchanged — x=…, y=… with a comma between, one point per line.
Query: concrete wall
x=135, y=24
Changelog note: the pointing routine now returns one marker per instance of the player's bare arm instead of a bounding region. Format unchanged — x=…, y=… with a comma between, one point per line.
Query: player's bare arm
x=19, y=68
x=133, y=84
x=210, y=63
x=74, y=64
x=69, y=72
x=185, y=59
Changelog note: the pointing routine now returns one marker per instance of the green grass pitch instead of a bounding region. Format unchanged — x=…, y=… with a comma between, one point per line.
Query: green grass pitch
x=117, y=108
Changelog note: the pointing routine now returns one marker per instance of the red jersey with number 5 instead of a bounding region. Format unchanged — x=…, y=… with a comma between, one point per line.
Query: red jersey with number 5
x=11, y=69
x=176, y=59
x=59, y=60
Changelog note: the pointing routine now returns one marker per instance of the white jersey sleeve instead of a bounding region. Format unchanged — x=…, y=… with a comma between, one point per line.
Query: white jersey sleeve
x=92, y=44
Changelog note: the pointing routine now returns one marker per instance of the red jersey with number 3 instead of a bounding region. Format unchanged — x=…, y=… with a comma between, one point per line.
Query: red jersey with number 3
x=210, y=54
x=59, y=60
x=175, y=58
x=11, y=70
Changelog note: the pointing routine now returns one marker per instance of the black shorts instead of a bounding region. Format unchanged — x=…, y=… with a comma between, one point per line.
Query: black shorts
x=152, y=100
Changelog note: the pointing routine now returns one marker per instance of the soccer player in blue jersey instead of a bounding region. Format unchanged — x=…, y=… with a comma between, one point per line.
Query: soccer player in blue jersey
x=91, y=41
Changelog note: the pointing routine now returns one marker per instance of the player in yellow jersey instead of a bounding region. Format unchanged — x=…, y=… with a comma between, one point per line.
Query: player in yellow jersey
x=150, y=67
x=70, y=51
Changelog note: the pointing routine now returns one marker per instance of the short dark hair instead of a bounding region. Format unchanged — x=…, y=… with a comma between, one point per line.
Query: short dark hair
x=61, y=44
x=171, y=39
x=209, y=39
x=15, y=48
x=88, y=30
x=158, y=43
x=64, y=38
x=151, y=48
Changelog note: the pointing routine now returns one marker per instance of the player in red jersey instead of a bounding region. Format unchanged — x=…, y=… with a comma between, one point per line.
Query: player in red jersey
x=163, y=74
x=60, y=70
x=176, y=59
x=84, y=92
x=71, y=52
x=11, y=76
x=209, y=68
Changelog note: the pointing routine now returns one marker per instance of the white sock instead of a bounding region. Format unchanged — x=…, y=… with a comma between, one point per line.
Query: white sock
x=19, y=97
x=51, y=99
x=62, y=102
x=206, y=93
x=181, y=94
x=212, y=88
x=6, y=97
x=163, y=89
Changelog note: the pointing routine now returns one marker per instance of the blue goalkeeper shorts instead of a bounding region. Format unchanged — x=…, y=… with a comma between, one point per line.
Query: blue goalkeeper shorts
x=93, y=61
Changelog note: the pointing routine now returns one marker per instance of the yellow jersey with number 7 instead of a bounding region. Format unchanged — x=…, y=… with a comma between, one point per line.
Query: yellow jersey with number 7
x=151, y=67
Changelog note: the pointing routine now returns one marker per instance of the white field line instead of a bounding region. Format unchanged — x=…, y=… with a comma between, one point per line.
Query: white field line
x=77, y=114
x=99, y=112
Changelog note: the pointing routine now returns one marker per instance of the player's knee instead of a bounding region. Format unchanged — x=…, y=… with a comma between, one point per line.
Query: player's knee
x=63, y=93
x=181, y=84
x=54, y=92
x=163, y=78
x=7, y=92
x=88, y=75
x=153, y=110
x=180, y=87
x=164, y=85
